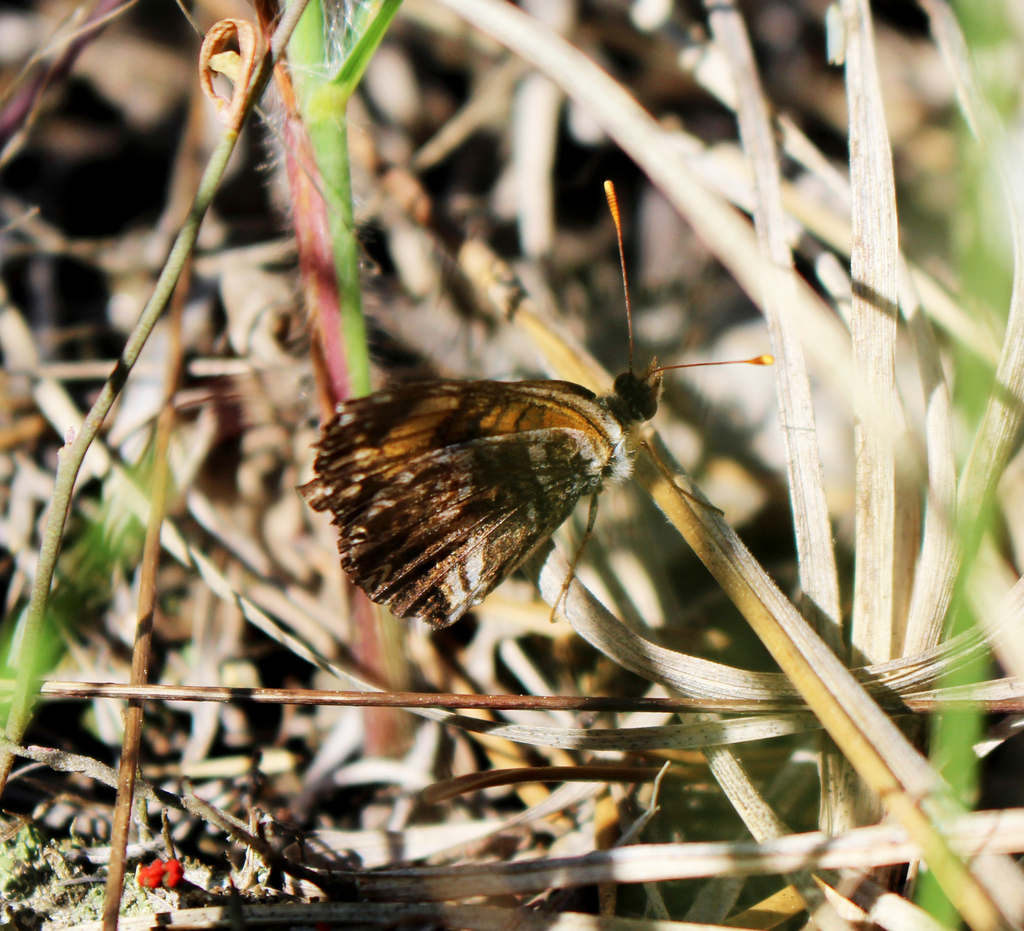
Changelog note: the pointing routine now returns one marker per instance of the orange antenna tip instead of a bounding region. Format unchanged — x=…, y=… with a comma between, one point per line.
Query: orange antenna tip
x=613, y=201
x=757, y=360
x=613, y=206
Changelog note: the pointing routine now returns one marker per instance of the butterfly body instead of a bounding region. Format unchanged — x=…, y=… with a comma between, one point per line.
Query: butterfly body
x=440, y=490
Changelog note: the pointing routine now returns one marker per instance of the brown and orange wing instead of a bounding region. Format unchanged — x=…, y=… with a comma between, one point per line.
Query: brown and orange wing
x=439, y=491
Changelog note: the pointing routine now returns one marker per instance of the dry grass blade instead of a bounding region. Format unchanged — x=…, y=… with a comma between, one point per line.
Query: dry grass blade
x=1000, y=623
x=765, y=825
x=862, y=848
x=186, y=179
x=689, y=675
x=935, y=574
x=875, y=299
x=773, y=617
x=818, y=574
x=819, y=579
x=885, y=909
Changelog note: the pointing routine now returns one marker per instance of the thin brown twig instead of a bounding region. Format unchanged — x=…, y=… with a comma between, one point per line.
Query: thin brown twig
x=1000, y=695
x=132, y=739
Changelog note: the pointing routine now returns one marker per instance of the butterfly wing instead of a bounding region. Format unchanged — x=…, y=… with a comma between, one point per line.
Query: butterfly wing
x=440, y=491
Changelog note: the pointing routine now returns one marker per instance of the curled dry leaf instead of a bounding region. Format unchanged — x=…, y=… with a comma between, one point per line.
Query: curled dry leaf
x=216, y=57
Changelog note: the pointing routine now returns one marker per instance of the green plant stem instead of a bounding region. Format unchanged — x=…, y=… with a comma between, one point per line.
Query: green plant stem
x=323, y=101
x=322, y=104
x=330, y=144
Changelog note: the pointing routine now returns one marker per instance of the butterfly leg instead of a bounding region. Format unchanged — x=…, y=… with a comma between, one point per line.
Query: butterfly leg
x=591, y=520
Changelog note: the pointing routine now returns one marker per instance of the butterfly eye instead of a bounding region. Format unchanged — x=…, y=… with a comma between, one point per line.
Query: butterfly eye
x=622, y=384
x=640, y=397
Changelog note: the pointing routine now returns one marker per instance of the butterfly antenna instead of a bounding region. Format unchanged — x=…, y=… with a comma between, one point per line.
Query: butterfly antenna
x=757, y=360
x=613, y=206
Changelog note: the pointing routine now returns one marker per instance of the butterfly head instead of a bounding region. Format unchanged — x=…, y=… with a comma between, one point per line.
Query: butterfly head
x=638, y=395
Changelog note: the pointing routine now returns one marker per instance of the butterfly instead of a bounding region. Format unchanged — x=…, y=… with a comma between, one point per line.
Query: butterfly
x=441, y=490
